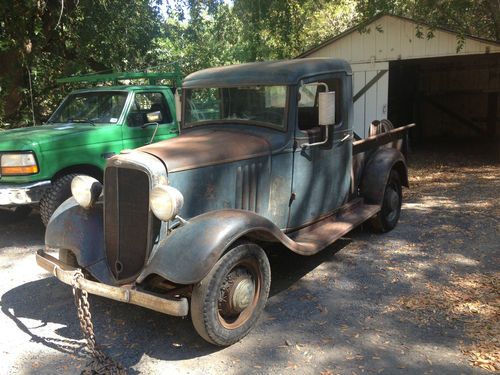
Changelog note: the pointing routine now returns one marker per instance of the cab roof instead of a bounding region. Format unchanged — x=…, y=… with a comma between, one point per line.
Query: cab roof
x=281, y=72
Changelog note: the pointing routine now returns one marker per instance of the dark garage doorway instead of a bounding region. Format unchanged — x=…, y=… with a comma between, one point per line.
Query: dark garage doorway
x=452, y=99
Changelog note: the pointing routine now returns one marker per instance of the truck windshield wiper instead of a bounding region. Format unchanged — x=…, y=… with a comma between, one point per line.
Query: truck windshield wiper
x=82, y=120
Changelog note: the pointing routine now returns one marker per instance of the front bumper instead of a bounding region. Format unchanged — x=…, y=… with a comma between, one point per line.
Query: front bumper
x=23, y=194
x=65, y=273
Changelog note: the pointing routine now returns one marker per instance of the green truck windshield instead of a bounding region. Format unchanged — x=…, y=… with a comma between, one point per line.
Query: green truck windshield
x=91, y=107
x=256, y=104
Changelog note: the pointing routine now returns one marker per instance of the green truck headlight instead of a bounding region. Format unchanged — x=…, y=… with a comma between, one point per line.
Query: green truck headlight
x=18, y=164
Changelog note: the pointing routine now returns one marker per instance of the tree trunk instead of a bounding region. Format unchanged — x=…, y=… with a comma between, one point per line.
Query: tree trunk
x=12, y=76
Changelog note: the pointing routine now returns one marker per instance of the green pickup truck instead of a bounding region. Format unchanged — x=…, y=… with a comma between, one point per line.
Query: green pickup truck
x=37, y=164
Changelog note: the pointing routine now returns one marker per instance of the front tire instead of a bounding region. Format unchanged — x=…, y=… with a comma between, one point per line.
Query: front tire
x=55, y=196
x=388, y=217
x=227, y=303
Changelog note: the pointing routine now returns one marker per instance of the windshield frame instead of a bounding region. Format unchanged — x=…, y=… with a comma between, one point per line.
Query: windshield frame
x=282, y=128
x=120, y=118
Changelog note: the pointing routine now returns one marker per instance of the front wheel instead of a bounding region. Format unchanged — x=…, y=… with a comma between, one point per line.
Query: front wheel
x=227, y=303
x=388, y=216
x=55, y=196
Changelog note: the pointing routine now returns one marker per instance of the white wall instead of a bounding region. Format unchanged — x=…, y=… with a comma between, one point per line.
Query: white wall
x=391, y=38
x=373, y=104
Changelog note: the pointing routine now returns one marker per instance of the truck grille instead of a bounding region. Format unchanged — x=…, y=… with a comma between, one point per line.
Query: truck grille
x=127, y=235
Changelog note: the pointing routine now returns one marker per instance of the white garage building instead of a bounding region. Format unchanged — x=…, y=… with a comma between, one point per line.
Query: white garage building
x=410, y=73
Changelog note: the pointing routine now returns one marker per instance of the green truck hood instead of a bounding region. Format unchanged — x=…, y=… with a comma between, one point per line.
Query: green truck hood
x=51, y=136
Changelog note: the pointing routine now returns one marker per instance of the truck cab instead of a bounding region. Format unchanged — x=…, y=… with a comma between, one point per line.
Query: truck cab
x=266, y=156
x=88, y=127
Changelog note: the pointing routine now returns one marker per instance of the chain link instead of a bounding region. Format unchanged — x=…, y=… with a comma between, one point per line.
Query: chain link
x=101, y=363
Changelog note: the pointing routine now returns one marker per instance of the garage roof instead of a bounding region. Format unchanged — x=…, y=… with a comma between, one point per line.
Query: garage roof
x=387, y=37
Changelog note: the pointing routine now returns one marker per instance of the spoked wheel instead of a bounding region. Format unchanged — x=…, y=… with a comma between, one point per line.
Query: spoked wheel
x=227, y=303
x=388, y=217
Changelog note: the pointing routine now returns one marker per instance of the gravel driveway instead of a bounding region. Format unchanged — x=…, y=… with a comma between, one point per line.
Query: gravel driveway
x=368, y=304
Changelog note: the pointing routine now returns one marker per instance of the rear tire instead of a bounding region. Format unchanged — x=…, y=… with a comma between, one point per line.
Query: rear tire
x=388, y=217
x=55, y=196
x=227, y=303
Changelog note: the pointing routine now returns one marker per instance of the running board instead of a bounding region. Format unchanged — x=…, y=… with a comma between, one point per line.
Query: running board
x=316, y=237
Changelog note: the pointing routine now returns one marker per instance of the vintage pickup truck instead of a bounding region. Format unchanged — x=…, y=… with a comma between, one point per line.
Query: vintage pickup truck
x=37, y=164
x=266, y=156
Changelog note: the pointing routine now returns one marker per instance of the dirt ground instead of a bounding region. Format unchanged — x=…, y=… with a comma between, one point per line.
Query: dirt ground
x=422, y=299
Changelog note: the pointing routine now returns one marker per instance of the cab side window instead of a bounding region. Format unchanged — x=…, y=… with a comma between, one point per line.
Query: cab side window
x=144, y=103
x=308, y=114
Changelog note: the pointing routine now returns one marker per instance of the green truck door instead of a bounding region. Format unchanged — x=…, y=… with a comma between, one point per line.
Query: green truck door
x=134, y=132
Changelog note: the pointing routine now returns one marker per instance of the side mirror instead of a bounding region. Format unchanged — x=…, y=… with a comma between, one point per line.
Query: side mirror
x=154, y=116
x=326, y=108
x=326, y=113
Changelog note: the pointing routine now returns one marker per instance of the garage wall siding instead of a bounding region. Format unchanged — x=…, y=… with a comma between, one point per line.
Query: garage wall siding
x=391, y=38
x=373, y=104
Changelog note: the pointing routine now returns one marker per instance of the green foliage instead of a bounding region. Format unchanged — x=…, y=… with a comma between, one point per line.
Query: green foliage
x=55, y=38
x=52, y=38
x=473, y=17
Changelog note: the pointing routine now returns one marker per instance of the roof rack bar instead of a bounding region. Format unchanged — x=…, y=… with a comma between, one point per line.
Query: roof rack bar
x=153, y=77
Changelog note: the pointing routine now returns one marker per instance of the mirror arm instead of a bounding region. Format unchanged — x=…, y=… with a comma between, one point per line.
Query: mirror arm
x=148, y=124
x=317, y=143
x=154, y=134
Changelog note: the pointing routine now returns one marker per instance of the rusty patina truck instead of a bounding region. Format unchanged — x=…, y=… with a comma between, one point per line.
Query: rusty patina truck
x=266, y=156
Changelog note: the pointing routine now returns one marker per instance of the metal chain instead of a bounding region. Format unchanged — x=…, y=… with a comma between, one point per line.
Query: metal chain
x=101, y=363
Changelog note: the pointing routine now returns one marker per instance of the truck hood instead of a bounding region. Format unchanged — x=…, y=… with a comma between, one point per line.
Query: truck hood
x=45, y=136
x=204, y=147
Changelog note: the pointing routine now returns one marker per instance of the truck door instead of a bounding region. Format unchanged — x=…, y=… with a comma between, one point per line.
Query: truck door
x=321, y=174
x=135, y=133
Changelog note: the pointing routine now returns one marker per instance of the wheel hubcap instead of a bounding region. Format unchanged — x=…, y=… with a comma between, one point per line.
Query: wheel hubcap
x=239, y=294
x=243, y=294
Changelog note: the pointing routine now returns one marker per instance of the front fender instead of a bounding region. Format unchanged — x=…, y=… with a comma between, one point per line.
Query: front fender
x=190, y=251
x=80, y=230
x=376, y=173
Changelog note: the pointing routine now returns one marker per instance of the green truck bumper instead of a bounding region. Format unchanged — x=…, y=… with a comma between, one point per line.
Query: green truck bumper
x=22, y=194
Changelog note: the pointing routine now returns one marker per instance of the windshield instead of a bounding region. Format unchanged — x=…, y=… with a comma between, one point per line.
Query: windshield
x=91, y=107
x=264, y=105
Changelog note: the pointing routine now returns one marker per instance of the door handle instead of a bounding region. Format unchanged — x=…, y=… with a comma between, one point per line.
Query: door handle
x=346, y=138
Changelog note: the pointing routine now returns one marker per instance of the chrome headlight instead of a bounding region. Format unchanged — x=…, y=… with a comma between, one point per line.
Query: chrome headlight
x=18, y=164
x=165, y=202
x=86, y=190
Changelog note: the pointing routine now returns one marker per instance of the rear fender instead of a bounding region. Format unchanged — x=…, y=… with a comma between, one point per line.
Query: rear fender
x=376, y=173
x=190, y=251
x=80, y=230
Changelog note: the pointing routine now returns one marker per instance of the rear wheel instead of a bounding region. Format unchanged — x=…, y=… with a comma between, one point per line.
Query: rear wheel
x=388, y=217
x=55, y=196
x=227, y=303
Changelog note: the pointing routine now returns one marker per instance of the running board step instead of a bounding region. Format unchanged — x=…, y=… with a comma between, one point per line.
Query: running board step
x=316, y=237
